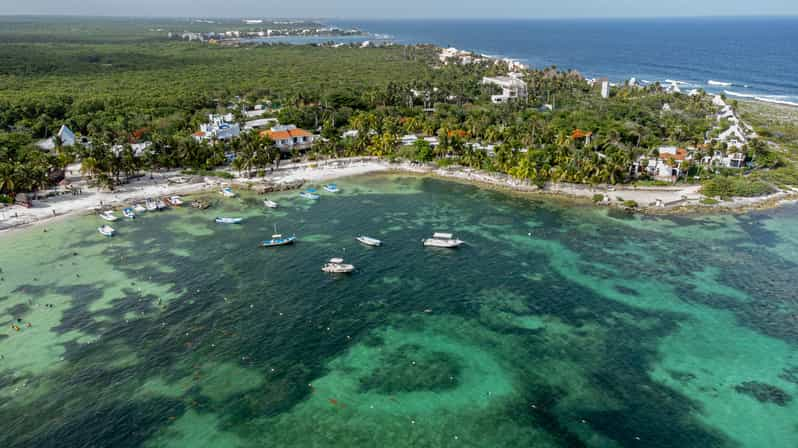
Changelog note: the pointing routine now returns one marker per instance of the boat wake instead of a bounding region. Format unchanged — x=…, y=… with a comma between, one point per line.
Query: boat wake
x=719, y=83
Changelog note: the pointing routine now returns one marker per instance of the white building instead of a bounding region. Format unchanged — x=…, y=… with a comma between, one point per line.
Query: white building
x=65, y=134
x=260, y=123
x=734, y=137
x=666, y=166
x=605, y=88
x=513, y=87
x=138, y=149
x=218, y=128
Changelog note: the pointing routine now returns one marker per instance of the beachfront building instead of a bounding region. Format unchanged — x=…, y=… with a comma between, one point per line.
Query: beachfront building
x=725, y=160
x=513, y=87
x=218, y=128
x=605, y=87
x=66, y=135
x=138, y=149
x=289, y=137
x=667, y=165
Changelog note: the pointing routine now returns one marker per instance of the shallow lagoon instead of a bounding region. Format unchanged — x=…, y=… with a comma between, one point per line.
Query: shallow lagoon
x=554, y=326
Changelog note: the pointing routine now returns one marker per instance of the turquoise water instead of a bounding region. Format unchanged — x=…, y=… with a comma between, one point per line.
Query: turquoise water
x=555, y=325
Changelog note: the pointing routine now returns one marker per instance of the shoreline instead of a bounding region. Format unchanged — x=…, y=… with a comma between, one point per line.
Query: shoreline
x=670, y=200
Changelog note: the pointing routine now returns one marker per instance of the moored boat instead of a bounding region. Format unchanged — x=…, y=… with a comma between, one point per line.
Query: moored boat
x=220, y=220
x=444, y=240
x=108, y=216
x=160, y=206
x=269, y=203
x=278, y=240
x=177, y=201
x=337, y=266
x=138, y=208
x=151, y=205
x=331, y=188
x=106, y=230
x=310, y=193
x=228, y=192
x=129, y=213
x=368, y=241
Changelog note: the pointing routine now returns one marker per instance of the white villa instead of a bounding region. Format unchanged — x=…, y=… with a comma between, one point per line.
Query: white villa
x=726, y=160
x=512, y=86
x=218, y=128
x=666, y=166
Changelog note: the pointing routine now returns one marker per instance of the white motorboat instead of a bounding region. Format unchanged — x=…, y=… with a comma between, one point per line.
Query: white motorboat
x=337, y=266
x=228, y=192
x=108, y=216
x=151, y=205
x=139, y=208
x=331, y=188
x=176, y=201
x=444, y=240
x=160, y=206
x=270, y=203
x=128, y=213
x=229, y=220
x=368, y=241
x=106, y=230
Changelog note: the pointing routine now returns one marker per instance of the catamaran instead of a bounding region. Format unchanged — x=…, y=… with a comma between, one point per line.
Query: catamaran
x=445, y=240
x=228, y=192
x=128, y=213
x=269, y=203
x=229, y=220
x=331, y=188
x=106, y=230
x=309, y=194
x=337, y=266
x=368, y=241
x=108, y=216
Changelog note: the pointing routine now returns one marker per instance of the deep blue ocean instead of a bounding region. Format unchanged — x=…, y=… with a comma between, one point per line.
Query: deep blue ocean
x=755, y=57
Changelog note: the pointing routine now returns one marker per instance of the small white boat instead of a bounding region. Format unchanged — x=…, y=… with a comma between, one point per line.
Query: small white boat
x=108, y=216
x=278, y=240
x=128, y=213
x=229, y=220
x=160, y=206
x=176, y=201
x=151, y=205
x=106, y=230
x=309, y=194
x=139, y=208
x=228, y=192
x=337, y=266
x=331, y=188
x=369, y=241
x=270, y=203
x=445, y=240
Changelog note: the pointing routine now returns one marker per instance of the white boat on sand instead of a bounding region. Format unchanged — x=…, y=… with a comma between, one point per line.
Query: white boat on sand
x=337, y=266
x=368, y=241
x=106, y=230
x=444, y=240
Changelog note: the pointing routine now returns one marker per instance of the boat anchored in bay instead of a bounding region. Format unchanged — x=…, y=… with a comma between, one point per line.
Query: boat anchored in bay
x=444, y=240
x=368, y=241
x=337, y=266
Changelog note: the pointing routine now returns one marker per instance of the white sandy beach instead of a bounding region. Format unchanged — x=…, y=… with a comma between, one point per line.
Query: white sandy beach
x=648, y=198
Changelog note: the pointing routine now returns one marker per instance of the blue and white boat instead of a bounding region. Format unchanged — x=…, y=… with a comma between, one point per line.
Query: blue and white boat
x=228, y=192
x=310, y=193
x=278, y=240
x=228, y=220
x=106, y=230
x=331, y=188
x=129, y=213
